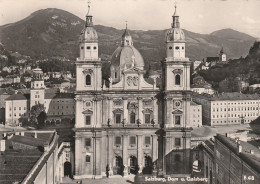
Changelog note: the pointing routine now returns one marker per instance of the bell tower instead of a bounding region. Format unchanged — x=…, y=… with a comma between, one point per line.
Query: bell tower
x=88, y=65
x=176, y=135
x=176, y=66
x=37, y=87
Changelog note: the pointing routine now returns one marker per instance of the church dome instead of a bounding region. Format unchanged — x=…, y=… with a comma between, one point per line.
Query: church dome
x=127, y=56
x=175, y=34
x=88, y=34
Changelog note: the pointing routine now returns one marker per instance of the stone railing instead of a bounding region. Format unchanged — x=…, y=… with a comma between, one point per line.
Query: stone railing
x=47, y=148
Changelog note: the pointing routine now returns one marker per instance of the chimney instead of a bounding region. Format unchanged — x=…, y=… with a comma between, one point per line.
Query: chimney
x=22, y=133
x=239, y=148
x=2, y=145
x=252, y=152
x=35, y=135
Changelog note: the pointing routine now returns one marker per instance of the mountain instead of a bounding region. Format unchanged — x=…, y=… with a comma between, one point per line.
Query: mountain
x=232, y=34
x=53, y=33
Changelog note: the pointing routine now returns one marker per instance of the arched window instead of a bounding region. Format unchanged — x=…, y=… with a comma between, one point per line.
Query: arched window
x=88, y=80
x=115, y=75
x=177, y=80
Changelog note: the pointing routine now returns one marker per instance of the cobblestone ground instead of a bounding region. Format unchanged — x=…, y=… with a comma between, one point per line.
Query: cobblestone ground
x=115, y=180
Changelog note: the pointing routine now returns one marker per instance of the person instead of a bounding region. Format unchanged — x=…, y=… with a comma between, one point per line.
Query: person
x=140, y=169
x=107, y=170
x=110, y=170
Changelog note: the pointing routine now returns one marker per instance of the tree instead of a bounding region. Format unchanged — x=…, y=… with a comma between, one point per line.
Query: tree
x=41, y=119
x=37, y=115
x=24, y=121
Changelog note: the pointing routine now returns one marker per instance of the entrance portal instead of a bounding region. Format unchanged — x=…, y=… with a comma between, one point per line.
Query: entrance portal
x=133, y=165
x=148, y=164
x=67, y=169
x=118, y=169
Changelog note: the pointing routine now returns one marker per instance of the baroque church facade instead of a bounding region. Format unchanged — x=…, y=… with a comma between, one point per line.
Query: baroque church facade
x=133, y=122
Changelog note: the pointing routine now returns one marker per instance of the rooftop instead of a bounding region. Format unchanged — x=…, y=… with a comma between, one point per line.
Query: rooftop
x=229, y=96
x=19, y=97
x=59, y=95
x=21, y=154
x=252, y=160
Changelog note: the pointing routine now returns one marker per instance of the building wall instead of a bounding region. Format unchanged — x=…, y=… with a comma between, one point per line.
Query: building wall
x=234, y=112
x=223, y=112
x=60, y=107
x=14, y=110
x=196, y=115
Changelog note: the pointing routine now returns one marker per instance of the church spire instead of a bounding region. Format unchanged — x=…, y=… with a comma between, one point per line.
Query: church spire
x=89, y=22
x=175, y=19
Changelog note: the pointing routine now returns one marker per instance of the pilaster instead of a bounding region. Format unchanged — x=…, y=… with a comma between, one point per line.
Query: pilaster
x=125, y=152
x=140, y=108
x=125, y=109
x=78, y=155
x=155, y=110
x=154, y=148
x=140, y=149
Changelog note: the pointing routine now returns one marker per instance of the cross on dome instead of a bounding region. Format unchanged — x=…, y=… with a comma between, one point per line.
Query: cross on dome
x=89, y=2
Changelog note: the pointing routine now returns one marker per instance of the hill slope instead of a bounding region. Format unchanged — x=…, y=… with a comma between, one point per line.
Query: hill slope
x=53, y=33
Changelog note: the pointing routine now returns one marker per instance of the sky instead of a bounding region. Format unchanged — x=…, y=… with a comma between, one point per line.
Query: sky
x=200, y=16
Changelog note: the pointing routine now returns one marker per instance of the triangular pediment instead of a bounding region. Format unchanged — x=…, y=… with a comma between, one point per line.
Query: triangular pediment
x=87, y=112
x=118, y=111
x=177, y=112
x=147, y=111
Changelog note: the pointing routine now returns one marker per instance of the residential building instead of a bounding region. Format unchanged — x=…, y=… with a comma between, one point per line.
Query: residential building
x=254, y=87
x=228, y=108
x=206, y=88
x=196, y=115
x=57, y=106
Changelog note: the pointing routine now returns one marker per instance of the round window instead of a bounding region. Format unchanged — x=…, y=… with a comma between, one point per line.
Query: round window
x=177, y=104
x=177, y=48
x=170, y=48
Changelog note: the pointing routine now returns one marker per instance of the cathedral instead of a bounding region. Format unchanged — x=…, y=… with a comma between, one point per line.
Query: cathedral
x=133, y=123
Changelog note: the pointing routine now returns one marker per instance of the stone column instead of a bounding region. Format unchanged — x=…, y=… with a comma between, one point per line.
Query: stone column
x=94, y=123
x=140, y=149
x=140, y=108
x=78, y=155
x=168, y=112
x=98, y=153
x=110, y=149
x=99, y=113
x=125, y=109
x=154, y=148
x=125, y=151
